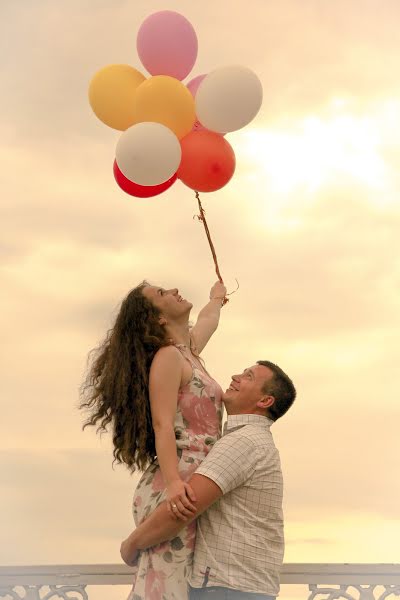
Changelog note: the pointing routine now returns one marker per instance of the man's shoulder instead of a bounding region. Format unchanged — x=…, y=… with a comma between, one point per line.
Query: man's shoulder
x=253, y=434
x=249, y=440
x=232, y=453
x=240, y=437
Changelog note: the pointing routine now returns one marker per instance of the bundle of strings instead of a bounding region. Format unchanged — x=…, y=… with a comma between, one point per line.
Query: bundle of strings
x=202, y=217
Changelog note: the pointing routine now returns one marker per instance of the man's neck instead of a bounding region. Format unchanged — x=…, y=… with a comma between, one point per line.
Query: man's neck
x=247, y=412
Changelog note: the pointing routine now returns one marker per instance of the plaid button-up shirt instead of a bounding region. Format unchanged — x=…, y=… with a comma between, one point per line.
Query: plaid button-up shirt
x=240, y=541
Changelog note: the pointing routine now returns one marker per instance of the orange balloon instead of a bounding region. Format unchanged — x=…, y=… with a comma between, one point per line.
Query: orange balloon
x=163, y=99
x=208, y=161
x=111, y=94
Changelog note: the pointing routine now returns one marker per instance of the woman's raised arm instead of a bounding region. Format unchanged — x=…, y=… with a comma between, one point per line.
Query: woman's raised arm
x=208, y=319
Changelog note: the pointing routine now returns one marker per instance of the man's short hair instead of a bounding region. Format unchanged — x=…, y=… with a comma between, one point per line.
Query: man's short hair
x=281, y=388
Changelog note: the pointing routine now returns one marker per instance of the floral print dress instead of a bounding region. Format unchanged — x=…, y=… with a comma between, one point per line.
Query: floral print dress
x=162, y=571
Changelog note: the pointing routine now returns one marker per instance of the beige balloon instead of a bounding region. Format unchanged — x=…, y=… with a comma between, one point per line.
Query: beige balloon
x=228, y=98
x=148, y=153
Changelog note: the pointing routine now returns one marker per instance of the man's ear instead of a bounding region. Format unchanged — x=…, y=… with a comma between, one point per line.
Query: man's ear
x=265, y=401
x=162, y=320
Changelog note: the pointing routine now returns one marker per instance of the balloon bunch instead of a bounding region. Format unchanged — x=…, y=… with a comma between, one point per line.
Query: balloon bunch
x=172, y=130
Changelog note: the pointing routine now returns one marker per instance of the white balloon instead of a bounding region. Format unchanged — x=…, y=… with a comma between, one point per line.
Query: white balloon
x=228, y=98
x=148, y=153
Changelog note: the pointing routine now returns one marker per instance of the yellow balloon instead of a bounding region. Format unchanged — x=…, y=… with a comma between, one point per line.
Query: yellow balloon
x=166, y=100
x=111, y=94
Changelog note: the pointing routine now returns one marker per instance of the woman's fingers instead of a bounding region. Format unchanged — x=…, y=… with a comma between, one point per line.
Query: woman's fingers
x=187, y=504
x=170, y=508
x=190, y=492
x=183, y=499
x=180, y=511
x=180, y=506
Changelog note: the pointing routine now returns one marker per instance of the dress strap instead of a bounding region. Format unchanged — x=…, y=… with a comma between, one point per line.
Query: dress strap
x=196, y=364
x=188, y=356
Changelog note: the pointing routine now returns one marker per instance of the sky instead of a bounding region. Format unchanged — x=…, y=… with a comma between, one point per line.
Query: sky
x=308, y=225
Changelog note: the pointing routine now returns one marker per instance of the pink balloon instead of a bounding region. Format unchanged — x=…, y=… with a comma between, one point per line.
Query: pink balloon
x=194, y=83
x=193, y=86
x=167, y=44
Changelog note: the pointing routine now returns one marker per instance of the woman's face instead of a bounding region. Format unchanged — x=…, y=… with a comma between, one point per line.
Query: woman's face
x=169, y=302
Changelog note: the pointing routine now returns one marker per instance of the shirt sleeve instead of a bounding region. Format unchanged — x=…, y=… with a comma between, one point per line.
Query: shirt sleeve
x=231, y=462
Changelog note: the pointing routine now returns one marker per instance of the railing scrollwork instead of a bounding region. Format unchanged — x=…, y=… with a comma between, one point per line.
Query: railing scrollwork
x=44, y=592
x=324, y=581
x=354, y=592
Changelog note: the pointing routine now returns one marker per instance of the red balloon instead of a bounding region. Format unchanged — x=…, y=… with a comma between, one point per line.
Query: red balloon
x=208, y=161
x=140, y=191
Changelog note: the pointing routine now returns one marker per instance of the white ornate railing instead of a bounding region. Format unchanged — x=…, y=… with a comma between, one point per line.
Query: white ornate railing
x=324, y=581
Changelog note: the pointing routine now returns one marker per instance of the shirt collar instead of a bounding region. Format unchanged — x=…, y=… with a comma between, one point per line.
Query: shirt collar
x=237, y=421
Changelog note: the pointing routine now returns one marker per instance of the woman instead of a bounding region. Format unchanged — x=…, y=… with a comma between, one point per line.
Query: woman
x=165, y=409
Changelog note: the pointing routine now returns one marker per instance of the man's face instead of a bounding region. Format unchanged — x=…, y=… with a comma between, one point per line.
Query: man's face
x=245, y=395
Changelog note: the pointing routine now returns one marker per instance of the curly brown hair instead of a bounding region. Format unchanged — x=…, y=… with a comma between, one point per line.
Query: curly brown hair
x=116, y=385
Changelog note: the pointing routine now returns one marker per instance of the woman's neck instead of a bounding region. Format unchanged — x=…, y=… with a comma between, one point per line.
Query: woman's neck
x=179, y=333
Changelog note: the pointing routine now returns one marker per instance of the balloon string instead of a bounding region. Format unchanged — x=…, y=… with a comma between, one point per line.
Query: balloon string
x=202, y=217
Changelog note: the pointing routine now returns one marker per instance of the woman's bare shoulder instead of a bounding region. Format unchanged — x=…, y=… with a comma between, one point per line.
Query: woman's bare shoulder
x=168, y=354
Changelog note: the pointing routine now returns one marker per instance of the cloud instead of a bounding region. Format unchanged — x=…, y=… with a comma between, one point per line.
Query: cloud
x=72, y=496
x=338, y=449
x=313, y=541
x=304, y=54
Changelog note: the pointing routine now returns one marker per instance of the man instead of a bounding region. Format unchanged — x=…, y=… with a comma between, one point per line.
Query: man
x=238, y=488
